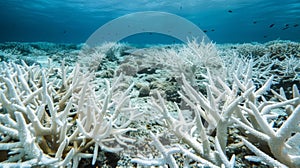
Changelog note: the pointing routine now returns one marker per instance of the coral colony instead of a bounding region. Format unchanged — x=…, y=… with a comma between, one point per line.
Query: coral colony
x=194, y=105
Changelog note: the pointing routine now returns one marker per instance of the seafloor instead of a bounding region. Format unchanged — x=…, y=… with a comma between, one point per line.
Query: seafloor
x=150, y=71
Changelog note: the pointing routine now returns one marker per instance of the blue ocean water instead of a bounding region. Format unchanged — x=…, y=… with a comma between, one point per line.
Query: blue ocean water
x=224, y=21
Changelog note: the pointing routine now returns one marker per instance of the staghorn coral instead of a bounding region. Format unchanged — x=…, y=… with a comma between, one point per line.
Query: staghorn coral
x=60, y=117
x=191, y=60
x=228, y=107
x=277, y=58
x=47, y=121
x=92, y=58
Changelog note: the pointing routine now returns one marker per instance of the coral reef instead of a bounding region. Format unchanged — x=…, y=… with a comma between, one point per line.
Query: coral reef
x=239, y=105
x=194, y=105
x=50, y=120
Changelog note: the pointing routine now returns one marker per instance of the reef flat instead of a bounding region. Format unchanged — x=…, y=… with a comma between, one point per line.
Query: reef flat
x=118, y=105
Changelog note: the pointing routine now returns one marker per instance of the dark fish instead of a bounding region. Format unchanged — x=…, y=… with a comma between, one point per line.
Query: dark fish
x=212, y=30
x=204, y=31
x=271, y=25
x=230, y=11
x=296, y=25
x=254, y=22
x=284, y=28
x=265, y=36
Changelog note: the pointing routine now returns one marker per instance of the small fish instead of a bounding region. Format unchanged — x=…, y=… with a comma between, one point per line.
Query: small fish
x=271, y=25
x=204, y=31
x=254, y=22
x=296, y=25
x=230, y=11
x=212, y=30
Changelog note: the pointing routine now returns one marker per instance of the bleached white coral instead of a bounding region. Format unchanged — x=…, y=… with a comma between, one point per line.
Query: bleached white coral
x=46, y=121
x=191, y=60
x=105, y=121
x=227, y=106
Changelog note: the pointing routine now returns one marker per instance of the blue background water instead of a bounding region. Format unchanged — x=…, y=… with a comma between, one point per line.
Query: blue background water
x=226, y=21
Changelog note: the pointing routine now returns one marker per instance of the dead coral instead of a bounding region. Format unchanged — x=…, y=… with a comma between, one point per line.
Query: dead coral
x=50, y=121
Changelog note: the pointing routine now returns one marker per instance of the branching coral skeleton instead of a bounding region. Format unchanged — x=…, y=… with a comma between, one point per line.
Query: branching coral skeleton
x=38, y=121
x=239, y=104
x=56, y=117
